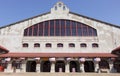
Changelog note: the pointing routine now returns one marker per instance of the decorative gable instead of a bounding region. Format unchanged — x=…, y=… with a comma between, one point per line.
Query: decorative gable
x=60, y=8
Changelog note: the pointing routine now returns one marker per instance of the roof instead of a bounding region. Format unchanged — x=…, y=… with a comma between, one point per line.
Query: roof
x=116, y=51
x=3, y=50
x=24, y=20
x=97, y=20
x=69, y=12
x=58, y=55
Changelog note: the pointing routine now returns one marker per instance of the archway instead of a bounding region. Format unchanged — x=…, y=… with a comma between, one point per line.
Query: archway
x=117, y=65
x=60, y=66
x=74, y=66
x=89, y=66
x=31, y=66
x=103, y=64
x=45, y=66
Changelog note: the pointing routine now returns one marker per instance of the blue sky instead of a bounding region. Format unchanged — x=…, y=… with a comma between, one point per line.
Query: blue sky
x=15, y=10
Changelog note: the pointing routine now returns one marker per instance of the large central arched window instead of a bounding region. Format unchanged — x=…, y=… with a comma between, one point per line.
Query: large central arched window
x=60, y=27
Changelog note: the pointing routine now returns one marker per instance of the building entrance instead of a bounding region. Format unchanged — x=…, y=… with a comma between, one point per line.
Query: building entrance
x=89, y=66
x=60, y=66
x=45, y=66
x=74, y=66
x=31, y=66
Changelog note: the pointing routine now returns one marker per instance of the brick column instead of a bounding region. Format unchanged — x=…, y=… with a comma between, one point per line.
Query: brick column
x=38, y=67
x=67, y=67
x=52, y=60
x=23, y=68
x=112, y=69
x=82, y=67
x=82, y=60
x=97, y=67
x=97, y=60
x=53, y=67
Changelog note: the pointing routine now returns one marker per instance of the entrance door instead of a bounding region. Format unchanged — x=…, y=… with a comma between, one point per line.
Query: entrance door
x=31, y=66
x=60, y=66
x=89, y=66
x=74, y=66
x=45, y=66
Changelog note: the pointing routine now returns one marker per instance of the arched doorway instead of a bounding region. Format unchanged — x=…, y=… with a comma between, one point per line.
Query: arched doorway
x=31, y=66
x=45, y=66
x=60, y=66
x=74, y=66
x=117, y=65
x=103, y=64
x=89, y=66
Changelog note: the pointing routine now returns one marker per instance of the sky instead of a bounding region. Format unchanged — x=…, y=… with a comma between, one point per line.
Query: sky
x=12, y=11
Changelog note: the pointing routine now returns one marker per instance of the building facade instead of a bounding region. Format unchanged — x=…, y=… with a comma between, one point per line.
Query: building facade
x=60, y=41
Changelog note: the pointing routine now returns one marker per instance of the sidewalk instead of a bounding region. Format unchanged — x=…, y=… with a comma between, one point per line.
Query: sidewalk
x=59, y=74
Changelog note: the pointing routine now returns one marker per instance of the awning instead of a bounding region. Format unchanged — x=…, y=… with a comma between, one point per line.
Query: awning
x=58, y=55
x=3, y=50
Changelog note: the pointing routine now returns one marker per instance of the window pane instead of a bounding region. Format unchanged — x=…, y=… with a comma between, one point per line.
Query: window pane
x=83, y=45
x=94, y=32
x=36, y=45
x=73, y=29
x=48, y=45
x=41, y=29
x=94, y=45
x=79, y=29
x=51, y=28
x=26, y=32
x=59, y=45
x=46, y=29
x=90, y=31
x=71, y=45
x=57, y=29
x=68, y=33
x=84, y=31
x=62, y=27
x=25, y=45
x=30, y=31
x=35, y=30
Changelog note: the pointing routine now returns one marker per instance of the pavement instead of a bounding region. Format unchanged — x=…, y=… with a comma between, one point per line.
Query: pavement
x=59, y=74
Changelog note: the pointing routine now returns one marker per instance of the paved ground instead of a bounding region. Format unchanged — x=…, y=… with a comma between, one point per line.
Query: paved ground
x=59, y=74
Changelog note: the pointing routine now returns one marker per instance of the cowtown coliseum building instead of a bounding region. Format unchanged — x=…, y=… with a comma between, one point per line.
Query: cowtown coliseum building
x=61, y=41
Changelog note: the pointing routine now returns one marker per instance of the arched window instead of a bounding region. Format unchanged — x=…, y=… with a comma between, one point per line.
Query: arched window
x=48, y=45
x=95, y=45
x=71, y=45
x=83, y=45
x=36, y=45
x=25, y=45
x=59, y=45
x=60, y=27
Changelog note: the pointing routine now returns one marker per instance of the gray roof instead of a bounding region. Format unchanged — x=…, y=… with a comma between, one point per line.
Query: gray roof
x=70, y=12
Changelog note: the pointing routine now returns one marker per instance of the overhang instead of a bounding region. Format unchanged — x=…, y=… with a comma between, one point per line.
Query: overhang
x=58, y=55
